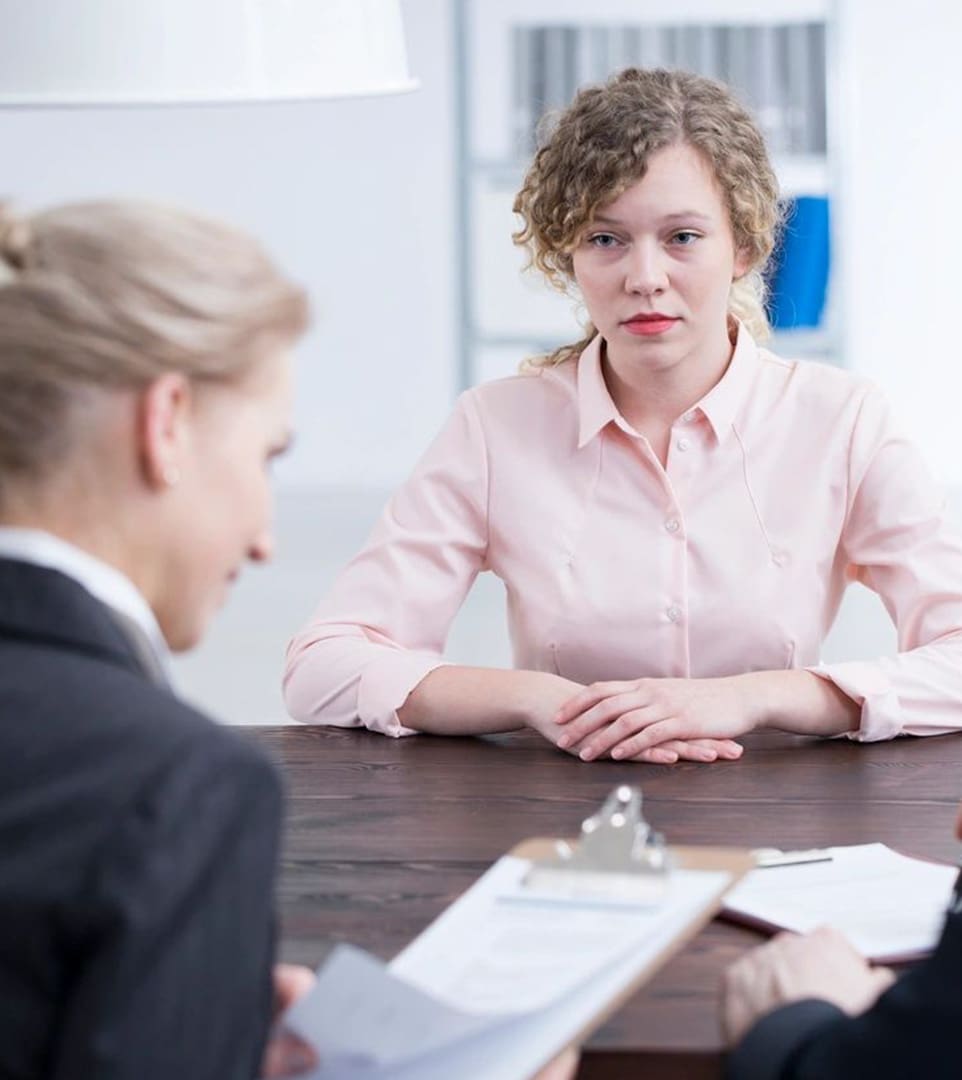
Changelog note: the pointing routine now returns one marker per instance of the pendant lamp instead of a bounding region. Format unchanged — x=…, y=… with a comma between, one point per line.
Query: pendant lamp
x=167, y=52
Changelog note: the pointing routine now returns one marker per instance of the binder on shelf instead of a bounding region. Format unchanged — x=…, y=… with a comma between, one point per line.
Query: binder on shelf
x=801, y=265
x=532, y=958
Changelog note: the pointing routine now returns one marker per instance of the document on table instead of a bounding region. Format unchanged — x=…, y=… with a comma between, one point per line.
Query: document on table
x=498, y=984
x=891, y=907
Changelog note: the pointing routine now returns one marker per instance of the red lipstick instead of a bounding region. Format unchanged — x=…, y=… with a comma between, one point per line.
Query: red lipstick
x=649, y=323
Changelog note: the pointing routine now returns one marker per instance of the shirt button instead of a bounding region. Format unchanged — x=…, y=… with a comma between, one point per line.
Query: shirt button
x=673, y=613
x=683, y=444
x=689, y=416
x=672, y=525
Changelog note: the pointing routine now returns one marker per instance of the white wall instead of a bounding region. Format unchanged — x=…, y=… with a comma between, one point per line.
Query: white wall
x=901, y=144
x=355, y=197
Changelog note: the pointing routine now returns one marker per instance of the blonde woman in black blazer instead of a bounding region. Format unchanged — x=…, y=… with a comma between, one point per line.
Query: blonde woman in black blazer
x=144, y=382
x=144, y=388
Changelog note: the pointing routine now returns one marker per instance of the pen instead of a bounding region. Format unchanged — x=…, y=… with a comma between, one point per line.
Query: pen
x=770, y=857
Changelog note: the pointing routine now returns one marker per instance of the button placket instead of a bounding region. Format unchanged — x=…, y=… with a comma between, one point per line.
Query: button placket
x=683, y=451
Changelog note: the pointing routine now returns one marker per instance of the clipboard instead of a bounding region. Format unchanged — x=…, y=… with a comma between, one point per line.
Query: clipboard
x=472, y=995
x=735, y=862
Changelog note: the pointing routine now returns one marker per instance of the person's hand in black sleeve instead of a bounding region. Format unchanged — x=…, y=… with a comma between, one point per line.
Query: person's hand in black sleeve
x=910, y=1030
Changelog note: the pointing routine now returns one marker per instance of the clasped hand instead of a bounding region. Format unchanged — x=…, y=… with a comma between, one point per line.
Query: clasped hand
x=660, y=721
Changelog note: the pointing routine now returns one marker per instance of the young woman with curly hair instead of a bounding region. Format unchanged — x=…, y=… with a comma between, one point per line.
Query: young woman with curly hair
x=675, y=512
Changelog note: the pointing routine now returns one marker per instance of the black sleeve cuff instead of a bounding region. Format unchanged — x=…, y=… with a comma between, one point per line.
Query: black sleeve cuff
x=765, y=1053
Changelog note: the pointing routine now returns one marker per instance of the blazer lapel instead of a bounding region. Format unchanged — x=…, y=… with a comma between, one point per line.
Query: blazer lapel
x=44, y=605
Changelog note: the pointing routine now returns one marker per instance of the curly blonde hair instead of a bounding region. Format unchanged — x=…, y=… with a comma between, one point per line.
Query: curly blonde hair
x=601, y=144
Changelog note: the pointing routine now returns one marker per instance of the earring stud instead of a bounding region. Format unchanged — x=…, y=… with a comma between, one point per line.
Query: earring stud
x=171, y=475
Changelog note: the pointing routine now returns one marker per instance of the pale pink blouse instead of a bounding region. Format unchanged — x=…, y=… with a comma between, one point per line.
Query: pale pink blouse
x=783, y=484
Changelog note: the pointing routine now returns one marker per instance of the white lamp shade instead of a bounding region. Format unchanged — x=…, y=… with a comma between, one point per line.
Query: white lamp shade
x=144, y=52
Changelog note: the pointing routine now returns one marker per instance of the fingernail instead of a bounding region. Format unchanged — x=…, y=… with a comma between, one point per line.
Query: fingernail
x=564, y=741
x=617, y=753
x=586, y=755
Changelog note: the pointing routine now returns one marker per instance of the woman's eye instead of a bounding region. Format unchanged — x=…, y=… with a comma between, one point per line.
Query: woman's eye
x=685, y=238
x=603, y=240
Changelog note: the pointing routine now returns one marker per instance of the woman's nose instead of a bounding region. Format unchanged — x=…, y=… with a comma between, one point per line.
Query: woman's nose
x=646, y=274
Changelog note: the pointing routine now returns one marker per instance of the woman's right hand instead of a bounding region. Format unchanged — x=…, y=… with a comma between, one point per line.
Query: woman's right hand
x=459, y=700
x=541, y=696
x=547, y=694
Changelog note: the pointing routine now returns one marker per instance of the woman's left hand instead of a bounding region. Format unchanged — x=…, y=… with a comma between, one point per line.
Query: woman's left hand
x=629, y=720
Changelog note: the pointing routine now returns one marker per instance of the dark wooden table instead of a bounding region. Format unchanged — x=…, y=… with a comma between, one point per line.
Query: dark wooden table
x=382, y=834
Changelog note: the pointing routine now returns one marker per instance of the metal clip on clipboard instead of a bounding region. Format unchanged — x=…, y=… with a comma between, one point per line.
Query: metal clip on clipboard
x=619, y=857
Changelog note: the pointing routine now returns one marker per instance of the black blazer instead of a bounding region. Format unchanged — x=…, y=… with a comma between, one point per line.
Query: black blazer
x=137, y=851
x=910, y=1032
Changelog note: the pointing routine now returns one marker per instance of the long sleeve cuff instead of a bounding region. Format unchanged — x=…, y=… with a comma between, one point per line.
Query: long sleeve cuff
x=868, y=685
x=766, y=1052
x=385, y=685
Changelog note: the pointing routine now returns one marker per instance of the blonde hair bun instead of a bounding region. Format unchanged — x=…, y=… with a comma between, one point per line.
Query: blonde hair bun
x=98, y=297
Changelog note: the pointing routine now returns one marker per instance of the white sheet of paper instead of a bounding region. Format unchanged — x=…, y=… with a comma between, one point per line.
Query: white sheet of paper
x=494, y=987
x=494, y=951
x=886, y=904
x=362, y=1016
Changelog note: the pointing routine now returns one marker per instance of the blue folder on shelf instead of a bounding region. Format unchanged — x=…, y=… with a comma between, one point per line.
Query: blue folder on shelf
x=799, y=279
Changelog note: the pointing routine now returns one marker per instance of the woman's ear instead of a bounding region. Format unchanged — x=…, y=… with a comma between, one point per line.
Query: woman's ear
x=163, y=428
x=743, y=264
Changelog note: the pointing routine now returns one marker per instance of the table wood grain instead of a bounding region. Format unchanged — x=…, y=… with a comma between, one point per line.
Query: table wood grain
x=382, y=834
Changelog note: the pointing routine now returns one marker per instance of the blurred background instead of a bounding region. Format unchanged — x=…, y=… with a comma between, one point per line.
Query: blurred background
x=395, y=214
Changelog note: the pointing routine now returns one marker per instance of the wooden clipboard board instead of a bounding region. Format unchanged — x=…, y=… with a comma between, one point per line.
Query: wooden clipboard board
x=734, y=861
x=418, y=1032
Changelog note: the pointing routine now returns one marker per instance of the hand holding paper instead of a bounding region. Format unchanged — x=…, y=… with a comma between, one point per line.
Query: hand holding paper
x=793, y=967
x=286, y=1054
x=889, y=906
